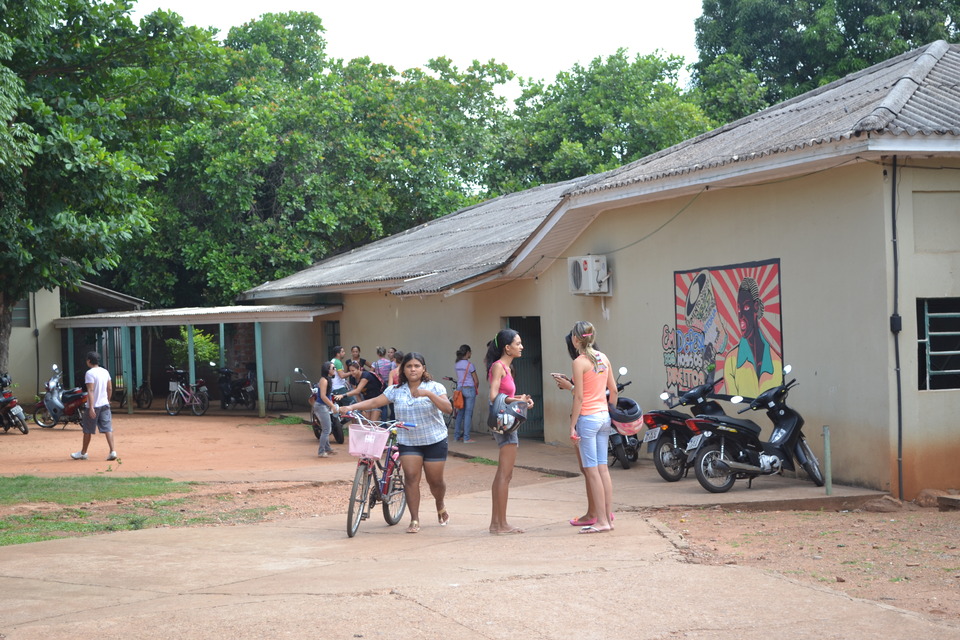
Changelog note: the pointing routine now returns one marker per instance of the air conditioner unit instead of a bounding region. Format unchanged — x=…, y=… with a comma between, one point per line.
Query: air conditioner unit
x=587, y=275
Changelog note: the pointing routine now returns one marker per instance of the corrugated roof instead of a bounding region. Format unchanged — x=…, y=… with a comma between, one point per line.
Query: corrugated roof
x=519, y=235
x=198, y=316
x=915, y=93
x=433, y=256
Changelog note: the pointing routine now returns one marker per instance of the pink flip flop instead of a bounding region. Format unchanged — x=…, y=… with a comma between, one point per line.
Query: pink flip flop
x=583, y=523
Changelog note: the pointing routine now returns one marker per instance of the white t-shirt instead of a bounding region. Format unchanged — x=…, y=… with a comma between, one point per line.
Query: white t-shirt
x=100, y=378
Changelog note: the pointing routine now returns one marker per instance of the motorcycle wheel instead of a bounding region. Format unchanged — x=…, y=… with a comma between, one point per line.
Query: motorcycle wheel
x=249, y=401
x=21, y=424
x=317, y=427
x=812, y=465
x=620, y=453
x=669, y=460
x=43, y=418
x=173, y=404
x=203, y=403
x=144, y=397
x=633, y=454
x=337, y=428
x=711, y=478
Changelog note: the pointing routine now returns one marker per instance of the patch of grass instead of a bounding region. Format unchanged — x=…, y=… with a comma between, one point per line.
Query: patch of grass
x=487, y=461
x=286, y=420
x=69, y=491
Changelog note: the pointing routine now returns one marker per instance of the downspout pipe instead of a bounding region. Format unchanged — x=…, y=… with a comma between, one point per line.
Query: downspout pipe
x=896, y=325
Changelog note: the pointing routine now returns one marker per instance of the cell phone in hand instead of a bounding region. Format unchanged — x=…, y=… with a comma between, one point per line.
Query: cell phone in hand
x=560, y=375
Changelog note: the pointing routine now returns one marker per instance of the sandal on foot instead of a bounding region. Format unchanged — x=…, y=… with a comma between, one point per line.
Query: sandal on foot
x=414, y=527
x=593, y=530
x=443, y=517
x=583, y=523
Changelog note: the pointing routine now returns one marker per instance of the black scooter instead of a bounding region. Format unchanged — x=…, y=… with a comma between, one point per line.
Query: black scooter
x=668, y=432
x=730, y=448
x=235, y=393
x=336, y=426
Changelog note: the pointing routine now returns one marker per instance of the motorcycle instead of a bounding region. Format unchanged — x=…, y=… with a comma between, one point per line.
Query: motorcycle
x=237, y=393
x=58, y=405
x=730, y=448
x=335, y=423
x=11, y=413
x=624, y=445
x=668, y=432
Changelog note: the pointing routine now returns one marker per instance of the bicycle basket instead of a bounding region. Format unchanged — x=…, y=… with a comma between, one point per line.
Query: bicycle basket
x=367, y=442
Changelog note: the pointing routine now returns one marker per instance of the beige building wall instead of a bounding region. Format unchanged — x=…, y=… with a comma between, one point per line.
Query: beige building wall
x=929, y=226
x=831, y=232
x=31, y=355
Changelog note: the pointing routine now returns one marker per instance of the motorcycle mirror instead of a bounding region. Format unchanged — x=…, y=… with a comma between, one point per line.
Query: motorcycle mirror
x=664, y=396
x=55, y=368
x=623, y=371
x=212, y=363
x=298, y=370
x=736, y=399
x=787, y=369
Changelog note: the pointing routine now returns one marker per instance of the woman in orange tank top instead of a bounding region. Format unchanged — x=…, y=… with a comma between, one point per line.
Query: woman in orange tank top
x=590, y=421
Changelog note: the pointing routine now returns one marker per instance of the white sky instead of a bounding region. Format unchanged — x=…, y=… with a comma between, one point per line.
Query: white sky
x=534, y=39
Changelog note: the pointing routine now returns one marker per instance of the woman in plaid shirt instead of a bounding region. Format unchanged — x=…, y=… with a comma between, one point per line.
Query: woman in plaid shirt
x=420, y=401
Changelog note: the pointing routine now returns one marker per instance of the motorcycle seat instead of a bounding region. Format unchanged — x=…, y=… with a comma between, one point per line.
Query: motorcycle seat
x=70, y=396
x=743, y=423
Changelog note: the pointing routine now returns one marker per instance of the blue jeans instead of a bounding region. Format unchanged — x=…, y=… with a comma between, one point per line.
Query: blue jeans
x=594, y=431
x=465, y=415
x=323, y=414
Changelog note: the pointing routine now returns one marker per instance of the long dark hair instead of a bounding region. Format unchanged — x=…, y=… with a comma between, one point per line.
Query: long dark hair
x=496, y=346
x=325, y=369
x=413, y=355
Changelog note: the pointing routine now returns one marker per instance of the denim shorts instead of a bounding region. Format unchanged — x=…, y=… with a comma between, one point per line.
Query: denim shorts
x=436, y=452
x=594, y=431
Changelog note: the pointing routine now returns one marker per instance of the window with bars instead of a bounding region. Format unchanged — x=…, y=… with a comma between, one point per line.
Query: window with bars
x=938, y=343
x=21, y=313
x=331, y=329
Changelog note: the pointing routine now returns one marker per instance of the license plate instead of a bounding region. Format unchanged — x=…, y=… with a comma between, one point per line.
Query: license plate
x=18, y=411
x=651, y=435
x=174, y=386
x=694, y=442
x=203, y=388
x=249, y=387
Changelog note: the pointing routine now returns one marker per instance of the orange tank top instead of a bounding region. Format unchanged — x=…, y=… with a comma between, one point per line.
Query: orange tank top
x=594, y=387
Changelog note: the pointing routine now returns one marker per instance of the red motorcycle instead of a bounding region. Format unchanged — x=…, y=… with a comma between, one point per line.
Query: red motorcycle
x=11, y=413
x=59, y=405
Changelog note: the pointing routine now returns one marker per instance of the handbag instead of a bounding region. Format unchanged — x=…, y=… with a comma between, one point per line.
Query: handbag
x=458, y=402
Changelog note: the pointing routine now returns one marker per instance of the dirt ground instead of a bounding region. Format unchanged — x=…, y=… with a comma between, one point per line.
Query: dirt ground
x=909, y=559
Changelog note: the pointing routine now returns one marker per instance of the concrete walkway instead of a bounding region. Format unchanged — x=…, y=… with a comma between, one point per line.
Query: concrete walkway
x=306, y=579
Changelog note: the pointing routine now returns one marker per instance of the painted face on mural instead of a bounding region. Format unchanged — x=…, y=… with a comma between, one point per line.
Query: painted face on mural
x=747, y=314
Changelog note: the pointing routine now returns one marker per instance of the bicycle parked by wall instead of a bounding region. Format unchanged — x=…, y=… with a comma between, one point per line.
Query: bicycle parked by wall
x=379, y=477
x=184, y=395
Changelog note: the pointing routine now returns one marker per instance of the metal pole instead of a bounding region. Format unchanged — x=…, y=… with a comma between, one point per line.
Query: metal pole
x=258, y=349
x=190, y=356
x=827, y=466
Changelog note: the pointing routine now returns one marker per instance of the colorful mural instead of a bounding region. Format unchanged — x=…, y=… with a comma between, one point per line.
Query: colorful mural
x=728, y=327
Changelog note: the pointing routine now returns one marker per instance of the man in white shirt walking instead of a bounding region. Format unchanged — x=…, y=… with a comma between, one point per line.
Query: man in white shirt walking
x=98, y=416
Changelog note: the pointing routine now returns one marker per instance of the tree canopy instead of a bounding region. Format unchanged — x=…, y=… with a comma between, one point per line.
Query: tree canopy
x=793, y=46
x=83, y=94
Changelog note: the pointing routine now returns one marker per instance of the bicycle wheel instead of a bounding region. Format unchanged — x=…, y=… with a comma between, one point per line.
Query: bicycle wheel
x=200, y=404
x=394, y=498
x=144, y=397
x=358, y=497
x=173, y=403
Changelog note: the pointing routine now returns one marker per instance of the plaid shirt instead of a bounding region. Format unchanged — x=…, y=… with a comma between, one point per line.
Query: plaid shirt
x=421, y=412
